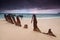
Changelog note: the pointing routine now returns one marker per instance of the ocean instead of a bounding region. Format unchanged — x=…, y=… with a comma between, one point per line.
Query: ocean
x=41, y=16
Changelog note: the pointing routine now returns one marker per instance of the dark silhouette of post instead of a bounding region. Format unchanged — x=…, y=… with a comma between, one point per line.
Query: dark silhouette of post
x=5, y=16
x=13, y=18
x=50, y=33
x=35, y=28
x=26, y=26
x=10, y=18
x=18, y=21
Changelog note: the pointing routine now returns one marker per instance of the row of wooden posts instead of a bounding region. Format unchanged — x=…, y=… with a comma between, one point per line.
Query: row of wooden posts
x=11, y=19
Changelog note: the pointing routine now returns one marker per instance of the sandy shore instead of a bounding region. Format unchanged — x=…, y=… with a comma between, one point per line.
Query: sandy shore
x=12, y=32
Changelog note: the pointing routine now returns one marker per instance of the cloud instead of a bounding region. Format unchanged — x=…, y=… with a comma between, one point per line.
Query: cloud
x=20, y=4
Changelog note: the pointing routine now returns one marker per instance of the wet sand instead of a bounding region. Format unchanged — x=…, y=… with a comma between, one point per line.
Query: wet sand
x=10, y=31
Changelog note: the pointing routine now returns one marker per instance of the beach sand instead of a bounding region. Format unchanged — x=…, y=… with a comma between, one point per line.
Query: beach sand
x=12, y=32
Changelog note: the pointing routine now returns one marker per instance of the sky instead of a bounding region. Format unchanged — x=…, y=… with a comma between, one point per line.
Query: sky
x=37, y=6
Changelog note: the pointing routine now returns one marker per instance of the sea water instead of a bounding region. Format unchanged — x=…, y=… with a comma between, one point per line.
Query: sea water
x=41, y=16
x=1, y=16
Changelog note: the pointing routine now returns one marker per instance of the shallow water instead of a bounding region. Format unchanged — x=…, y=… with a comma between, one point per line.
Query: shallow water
x=42, y=16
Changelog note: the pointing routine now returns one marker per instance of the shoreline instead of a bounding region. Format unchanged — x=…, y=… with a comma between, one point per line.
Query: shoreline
x=37, y=18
